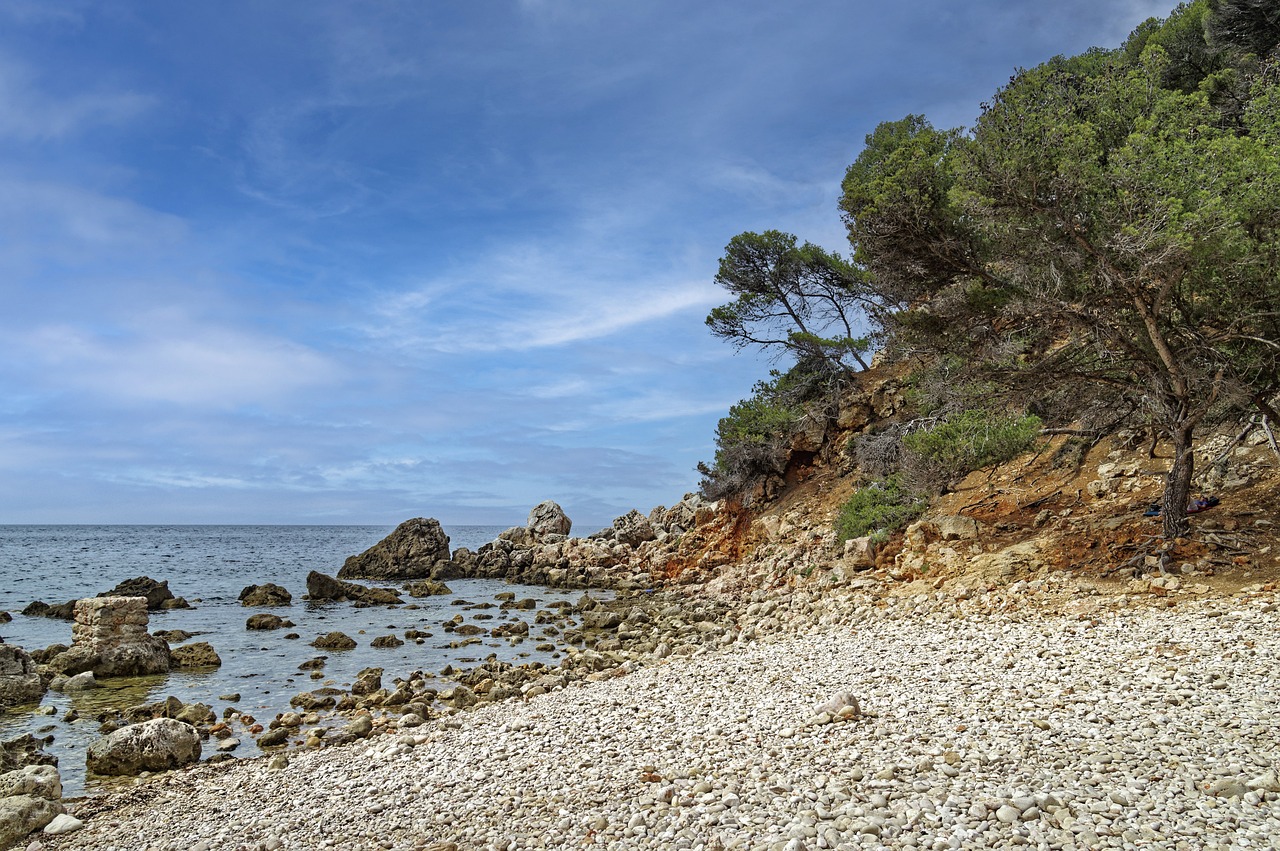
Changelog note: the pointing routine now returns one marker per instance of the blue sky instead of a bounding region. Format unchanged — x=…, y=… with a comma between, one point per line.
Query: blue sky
x=354, y=262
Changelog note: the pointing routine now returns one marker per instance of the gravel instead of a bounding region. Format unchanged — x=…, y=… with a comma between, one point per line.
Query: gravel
x=1126, y=727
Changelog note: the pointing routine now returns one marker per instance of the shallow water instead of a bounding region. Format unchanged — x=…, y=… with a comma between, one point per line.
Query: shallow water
x=209, y=565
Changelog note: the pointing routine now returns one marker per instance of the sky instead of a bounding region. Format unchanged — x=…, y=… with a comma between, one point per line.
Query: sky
x=356, y=262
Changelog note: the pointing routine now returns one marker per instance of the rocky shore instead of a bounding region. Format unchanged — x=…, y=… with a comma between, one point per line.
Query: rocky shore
x=1039, y=713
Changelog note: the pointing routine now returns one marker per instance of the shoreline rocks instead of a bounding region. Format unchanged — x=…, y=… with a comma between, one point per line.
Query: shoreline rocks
x=156, y=745
x=414, y=550
x=110, y=638
x=322, y=587
x=20, y=681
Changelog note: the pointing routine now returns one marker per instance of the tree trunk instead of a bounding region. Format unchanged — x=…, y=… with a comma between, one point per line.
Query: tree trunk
x=1177, y=484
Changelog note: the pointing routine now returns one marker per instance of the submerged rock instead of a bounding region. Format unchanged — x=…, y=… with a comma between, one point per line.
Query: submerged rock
x=198, y=655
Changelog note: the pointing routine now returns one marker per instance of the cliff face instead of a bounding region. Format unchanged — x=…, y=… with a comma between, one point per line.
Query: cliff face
x=1066, y=508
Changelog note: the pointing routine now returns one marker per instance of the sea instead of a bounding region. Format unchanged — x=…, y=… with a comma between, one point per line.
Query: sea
x=209, y=566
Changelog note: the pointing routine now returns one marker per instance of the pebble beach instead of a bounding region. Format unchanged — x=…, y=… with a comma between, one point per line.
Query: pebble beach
x=1130, y=726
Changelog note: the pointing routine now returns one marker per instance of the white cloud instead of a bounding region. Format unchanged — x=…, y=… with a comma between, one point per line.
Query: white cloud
x=28, y=113
x=168, y=358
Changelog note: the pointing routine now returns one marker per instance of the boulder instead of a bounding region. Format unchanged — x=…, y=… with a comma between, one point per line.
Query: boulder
x=156, y=745
x=427, y=588
x=957, y=528
x=267, y=594
x=198, y=655
x=334, y=641
x=110, y=638
x=38, y=781
x=20, y=815
x=19, y=681
x=321, y=587
x=411, y=551
x=267, y=621
x=633, y=529
x=548, y=518
x=157, y=594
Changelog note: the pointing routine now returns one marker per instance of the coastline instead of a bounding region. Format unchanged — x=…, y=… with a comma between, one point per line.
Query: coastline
x=1090, y=722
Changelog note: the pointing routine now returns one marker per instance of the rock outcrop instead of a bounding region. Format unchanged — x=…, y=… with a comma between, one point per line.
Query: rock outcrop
x=20, y=683
x=267, y=594
x=157, y=594
x=548, y=518
x=414, y=550
x=156, y=745
x=110, y=638
x=322, y=587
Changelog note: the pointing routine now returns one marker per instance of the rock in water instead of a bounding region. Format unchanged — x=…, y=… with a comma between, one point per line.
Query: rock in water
x=156, y=745
x=19, y=681
x=412, y=551
x=322, y=587
x=267, y=621
x=198, y=655
x=267, y=594
x=157, y=593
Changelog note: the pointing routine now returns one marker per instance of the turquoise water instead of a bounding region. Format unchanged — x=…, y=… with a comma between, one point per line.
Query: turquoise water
x=209, y=565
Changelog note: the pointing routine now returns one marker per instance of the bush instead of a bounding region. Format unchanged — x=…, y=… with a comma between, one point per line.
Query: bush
x=968, y=441
x=751, y=441
x=882, y=506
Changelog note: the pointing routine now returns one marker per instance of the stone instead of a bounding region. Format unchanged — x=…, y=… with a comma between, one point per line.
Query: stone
x=321, y=587
x=601, y=620
x=63, y=824
x=156, y=745
x=274, y=738
x=957, y=528
x=841, y=704
x=860, y=552
x=20, y=815
x=198, y=655
x=412, y=551
x=334, y=641
x=266, y=621
x=20, y=683
x=157, y=594
x=633, y=529
x=37, y=781
x=110, y=638
x=427, y=588
x=22, y=751
x=81, y=682
x=386, y=641
x=548, y=518
x=267, y=594
x=61, y=611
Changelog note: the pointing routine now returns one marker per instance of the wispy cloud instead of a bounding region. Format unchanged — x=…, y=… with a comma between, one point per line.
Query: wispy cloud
x=30, y=113
x=167, y=358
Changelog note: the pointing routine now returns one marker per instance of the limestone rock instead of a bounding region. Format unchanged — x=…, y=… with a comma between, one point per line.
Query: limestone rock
x=633, y=529
x=267, y=621
x=957, y=528
x=21, y=751
x=198, y=655
x=37, y=781
x=61, y=611
x=22, y=814
x=334, y=641
x=548, y=518
x=322, y=587
x=19, y=681
x=427, y=588
x=411, y=551
x=156, y=745
x=110, y=638
x=267, y=594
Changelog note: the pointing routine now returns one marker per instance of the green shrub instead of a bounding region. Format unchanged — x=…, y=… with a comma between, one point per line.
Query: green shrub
x=879, y=508
x=970, y=440
x=751, y=441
